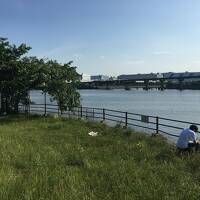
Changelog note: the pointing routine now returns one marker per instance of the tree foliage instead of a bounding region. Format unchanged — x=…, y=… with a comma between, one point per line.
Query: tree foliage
x=19, y=74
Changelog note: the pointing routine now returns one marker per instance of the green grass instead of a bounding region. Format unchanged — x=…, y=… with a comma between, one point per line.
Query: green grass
x=47, y=158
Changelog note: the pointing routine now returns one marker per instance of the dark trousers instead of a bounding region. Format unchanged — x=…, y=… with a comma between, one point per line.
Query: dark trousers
x=195, y=145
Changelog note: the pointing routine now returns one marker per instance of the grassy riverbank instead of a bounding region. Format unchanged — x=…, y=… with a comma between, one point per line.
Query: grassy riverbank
x=46, y=158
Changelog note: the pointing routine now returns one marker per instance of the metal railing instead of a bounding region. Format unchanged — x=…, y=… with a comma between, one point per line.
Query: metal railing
x=145, y=123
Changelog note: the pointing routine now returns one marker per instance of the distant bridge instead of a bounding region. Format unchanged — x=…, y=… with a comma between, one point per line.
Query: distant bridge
x=168, y=81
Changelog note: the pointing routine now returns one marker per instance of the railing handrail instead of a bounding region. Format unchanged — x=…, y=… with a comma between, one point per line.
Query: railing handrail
x=139, y=114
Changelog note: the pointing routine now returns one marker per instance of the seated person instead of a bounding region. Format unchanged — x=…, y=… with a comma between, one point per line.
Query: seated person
x=187, y=138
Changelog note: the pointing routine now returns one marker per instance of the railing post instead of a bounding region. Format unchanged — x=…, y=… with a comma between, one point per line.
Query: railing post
x=104, y=115
x=78, y=112
x=45, y=104
x=29, y=108
x=26, y=109
x=157, y=125
x=81, y=112
x=58, y=111
x=126, y=119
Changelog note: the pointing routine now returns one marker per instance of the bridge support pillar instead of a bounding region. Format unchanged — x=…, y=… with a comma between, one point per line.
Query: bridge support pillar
x=146, y=85
x=127, y=85
x=162, y=84
x=180, y=83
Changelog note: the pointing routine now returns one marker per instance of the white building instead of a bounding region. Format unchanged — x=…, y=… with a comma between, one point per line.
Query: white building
x=159, y=75
x=85, y=78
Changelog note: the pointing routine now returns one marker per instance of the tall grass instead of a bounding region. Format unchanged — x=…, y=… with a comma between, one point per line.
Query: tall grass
x=46, y=158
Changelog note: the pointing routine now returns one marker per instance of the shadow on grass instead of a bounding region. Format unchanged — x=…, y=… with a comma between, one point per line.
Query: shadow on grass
x=18, y=118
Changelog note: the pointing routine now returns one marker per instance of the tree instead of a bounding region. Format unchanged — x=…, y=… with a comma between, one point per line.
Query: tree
x=20, y=74
x=60, y=82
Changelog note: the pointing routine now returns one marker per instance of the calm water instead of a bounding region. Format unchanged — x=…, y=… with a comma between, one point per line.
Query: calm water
x=181, y=105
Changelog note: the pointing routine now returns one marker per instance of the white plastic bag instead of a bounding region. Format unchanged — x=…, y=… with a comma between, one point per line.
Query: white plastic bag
x=92, y=133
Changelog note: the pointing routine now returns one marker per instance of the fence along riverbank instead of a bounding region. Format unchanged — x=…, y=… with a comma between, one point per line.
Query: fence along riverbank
x=170, y=128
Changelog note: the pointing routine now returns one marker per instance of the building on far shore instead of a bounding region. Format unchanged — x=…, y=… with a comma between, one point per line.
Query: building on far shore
x=186, y=76
x=99, y=78
x=90, y=78
x=175, y=77
x=112, y=78
x=137, y=76
x=85, y=78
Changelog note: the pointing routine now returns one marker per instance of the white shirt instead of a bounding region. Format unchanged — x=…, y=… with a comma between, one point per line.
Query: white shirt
x=185, y=137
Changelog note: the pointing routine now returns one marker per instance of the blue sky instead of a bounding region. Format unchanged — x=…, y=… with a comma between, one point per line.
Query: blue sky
x=108, y=36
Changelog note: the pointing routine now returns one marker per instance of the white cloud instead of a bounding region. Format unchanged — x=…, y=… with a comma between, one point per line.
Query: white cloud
x=53, y=51
x=162, y=53
x=63, y=53
x=77, y=56
x=102, y=57
x=133, y=62
x=196, y=62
